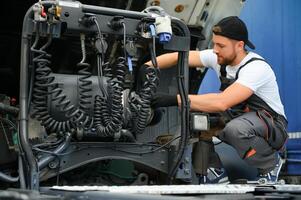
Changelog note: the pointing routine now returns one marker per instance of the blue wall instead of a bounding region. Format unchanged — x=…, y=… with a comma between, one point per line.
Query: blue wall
x=275, y=29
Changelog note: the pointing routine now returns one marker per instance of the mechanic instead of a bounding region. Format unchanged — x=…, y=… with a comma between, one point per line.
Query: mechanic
x=249, y=92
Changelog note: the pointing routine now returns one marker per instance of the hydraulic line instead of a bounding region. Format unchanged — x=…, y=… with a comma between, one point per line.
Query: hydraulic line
x=7, y=178
x=21, y=172
x=44, y=161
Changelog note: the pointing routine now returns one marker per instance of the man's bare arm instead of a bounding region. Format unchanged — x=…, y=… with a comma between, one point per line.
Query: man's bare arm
x=171, y=59
x=217, y=102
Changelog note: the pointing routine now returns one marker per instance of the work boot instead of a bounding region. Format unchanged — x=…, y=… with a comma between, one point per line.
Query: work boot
x=214, y=175
x=272, y=176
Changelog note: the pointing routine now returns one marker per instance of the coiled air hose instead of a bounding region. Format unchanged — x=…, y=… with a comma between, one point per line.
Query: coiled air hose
x=43, y=86
x=85, y=89
x=112, y=124
x=146, y=95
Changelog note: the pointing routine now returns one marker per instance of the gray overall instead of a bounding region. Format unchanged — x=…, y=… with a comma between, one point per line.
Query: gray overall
x=255, y=130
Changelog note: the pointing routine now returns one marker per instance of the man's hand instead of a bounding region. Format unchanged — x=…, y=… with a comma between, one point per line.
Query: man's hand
x=164, y=100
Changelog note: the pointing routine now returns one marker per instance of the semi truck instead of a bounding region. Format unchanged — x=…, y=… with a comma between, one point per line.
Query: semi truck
x=76, y=103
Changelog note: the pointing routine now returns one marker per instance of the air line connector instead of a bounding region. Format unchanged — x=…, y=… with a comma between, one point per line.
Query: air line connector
x=39, y=12
x=87, y=20
x=163, y=28
x=116, y=23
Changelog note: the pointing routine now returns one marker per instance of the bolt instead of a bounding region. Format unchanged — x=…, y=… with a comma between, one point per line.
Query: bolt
x=186, y=171
x=179, y=8
x=155, y=3
x=52, y=165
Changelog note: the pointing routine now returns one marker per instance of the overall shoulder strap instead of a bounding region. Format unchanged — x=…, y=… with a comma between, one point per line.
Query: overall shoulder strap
x=223, y=71
x=251, y=60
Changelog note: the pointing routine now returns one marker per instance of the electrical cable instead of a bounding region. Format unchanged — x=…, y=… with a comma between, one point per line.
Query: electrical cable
x=155, y=63
x=8, y=128
x=32, y=75
x=124, y=39
x=53, y=153
x=47, y=159
x=152, y=46
x=184, y=137
x=129, y=4
x=100, y=37
x=183, y=56
x=100, y=59
x=6, y=124
x=45, y=144
x=9, y=122
x=57, y=155
x=151, y=151
x=125, y=151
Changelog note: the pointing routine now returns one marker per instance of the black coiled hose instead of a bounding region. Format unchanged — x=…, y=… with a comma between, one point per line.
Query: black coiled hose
x=104, y=102
x=85, y=90
x=111, y=104
x=85, y=95
x=146, y=95
x=108, y=71
x=44, y=85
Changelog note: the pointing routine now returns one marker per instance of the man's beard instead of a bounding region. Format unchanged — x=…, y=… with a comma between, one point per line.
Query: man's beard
x=227, y=61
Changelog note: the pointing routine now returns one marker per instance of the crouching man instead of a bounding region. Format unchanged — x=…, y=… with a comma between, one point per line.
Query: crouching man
x=248, y=84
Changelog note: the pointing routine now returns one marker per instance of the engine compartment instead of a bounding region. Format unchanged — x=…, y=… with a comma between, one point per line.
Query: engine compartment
x=97, y=107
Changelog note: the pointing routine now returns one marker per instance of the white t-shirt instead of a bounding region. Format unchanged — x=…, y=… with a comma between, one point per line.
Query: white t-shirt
x=256, y=75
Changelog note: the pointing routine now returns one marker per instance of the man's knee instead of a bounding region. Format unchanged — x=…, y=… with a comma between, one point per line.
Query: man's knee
x=232, y=131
